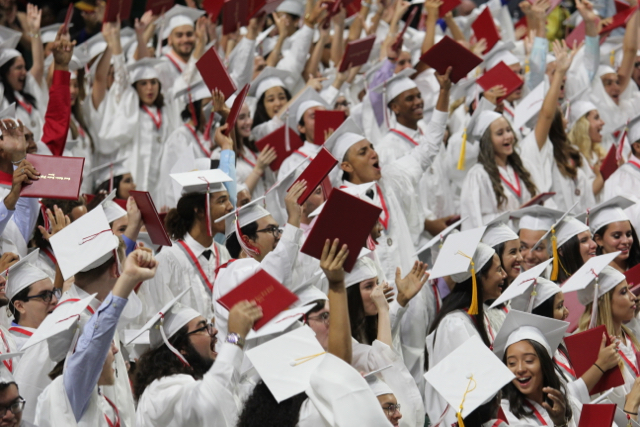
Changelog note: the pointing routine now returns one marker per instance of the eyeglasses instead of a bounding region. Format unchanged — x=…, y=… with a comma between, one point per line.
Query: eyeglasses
x=323, y=317
x=391, y=409
x=16, y=407
x=273, y=229
x=46, y=296
x=637, y=64
x=211, y=330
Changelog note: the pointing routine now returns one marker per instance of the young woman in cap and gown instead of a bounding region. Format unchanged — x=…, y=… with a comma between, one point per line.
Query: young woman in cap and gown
x=499, y=182
x=537, y=395
x=75, y=397
x=27, y=89
x=575, y=247
x=556, y=163
x=478, y=279
x=612, y=232
x=271, y=89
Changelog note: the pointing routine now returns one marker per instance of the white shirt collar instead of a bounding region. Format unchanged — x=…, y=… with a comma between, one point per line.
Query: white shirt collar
x=196, y=247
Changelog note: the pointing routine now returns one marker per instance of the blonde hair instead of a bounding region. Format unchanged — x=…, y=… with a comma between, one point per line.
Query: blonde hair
x=605, y=317
x=579, y=136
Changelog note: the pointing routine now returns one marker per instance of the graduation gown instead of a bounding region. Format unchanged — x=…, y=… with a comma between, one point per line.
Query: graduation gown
x=540, y=414
x=54, y=408
x=244, y=166
x=625, y=182
x=32, y=377
x=33, y=119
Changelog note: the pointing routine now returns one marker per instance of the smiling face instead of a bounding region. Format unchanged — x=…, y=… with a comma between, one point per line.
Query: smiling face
x=17, y=74
x=33, y=311
x=531, y=258
x=182, y=40
x=623, y=303
x=587, y=245
x=219, y=205
x=512, y=259
x=366, y=288
x=244, y=122
x=522, y=360
x=148, y=90
x=408, y=106
x=616, y=237
x=502, y=138
x=493, y=281
x=560, y=311
x=595, y=126
x=387, y=401
x=274, y=99
x=611, y=84
x=361, y=162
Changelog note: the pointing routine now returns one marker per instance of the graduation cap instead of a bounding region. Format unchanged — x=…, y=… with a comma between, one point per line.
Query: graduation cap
x=498, y=231
x=94, y=46
x=112, y=210
x=286, y=363
x=11, y=37
x=108, y=171
x=578, y=110
x=634, y=129
x=23, y=274
x=529, y=107
x=594, y=279
x=536, y=218
x=461, y=256
x=292, y=7
x=178, y=16
x=440, y=237
x=608, y=212
x=283, y=321
x=519, y=326
x=470, y=376
x=8, y=50
x=501, y=52
x=348, y=134
x=242, y=216
x=396, y=84
x=195, y=91
x=48, y=34
x=85, y=244
x=268, y=78
x=480, y=120
x=364, y=269
x=552, y=234
x=143, y=69
x=308, y=99
x=527, y=288
x=60, y=328
x=5, y=375
x=166, y=323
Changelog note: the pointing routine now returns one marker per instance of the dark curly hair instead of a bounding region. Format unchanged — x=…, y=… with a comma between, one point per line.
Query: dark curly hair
x=180, y=219
x=65, y=205
x=262, y=410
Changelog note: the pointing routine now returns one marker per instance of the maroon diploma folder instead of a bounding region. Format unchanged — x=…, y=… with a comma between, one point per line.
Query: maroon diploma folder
x=597, y=415
x=235, y=109
x=215, y=74
x=315, y=173
x=60, y=177
x=501, y=74
x=449, y=53
x=277, y=140
x=484, y=28
x=609, y=164
x=158, y=7
x=115, y=8
x=151, y=219
x=357, y=53
x=266, y=291
x=326, y=120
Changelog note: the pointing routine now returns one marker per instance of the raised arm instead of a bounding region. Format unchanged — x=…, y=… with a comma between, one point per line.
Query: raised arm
x=143, y=34
x=100, y=85
x=630, y=49
x=37, y=52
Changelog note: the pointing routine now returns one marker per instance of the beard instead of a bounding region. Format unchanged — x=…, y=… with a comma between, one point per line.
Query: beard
x=199, y=364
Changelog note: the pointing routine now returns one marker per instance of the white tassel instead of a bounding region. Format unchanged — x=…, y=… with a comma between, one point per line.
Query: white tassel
x=594, y=308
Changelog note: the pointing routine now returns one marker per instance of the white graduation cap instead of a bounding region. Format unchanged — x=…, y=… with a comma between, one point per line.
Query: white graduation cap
x=281, y=322
x=178, y=16
x=440, y=237
x=529, y=107
x=8, y=50
x=522, y=285
x=11, y=37
x=85, y=244
x=537, y=218
x=197, y=89
x=543, y=290
x=594, y=279
x=378, y=386
x=461, y=256
x=163, y=325
x=484, y=120
x=48, y=34
x=144, y=69
x=608, y=212
x=578, y=110
x=460, y=89
x=348, y=134
x=112, y=210
x=94, y=46
x=292, y=7
x=519, y=326
x=108, y=171
x=498, y=231
x=396, y=84
x=286, y=363
x=59, y=328
x=268, y=78
x=364, y=269
x=23, y=274
x=501, y=52
x=470, y=376
x=634, y=129
x=308, y=99
x=201, y=181
x=568, y=228
x=244, y=215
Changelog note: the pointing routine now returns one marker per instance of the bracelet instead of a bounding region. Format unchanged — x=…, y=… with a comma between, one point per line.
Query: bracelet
x=19, y=161
x=629, y=412
x=34, y=35
x=596, y=365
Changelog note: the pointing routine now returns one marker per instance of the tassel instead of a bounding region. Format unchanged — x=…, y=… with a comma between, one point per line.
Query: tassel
x=532, y=298
x=207, y=207
x=594, y=308
x=554, y=246
x=463, y=150
x=168, y=344
x=612, y=58
x=464, y=396
x=473, y=308
x=527, y=67
x=287, y=141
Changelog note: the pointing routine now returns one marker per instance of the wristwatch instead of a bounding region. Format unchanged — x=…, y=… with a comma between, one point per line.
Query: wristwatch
x=233, y=338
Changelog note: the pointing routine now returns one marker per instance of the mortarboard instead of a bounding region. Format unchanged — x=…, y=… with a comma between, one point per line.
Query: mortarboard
x=85, y=244
x=526, y=287
x=308, y=99
x=112, y=210
x=143, y=69
x=108, y=171
x=440, y=237
x=94, y=46
x=608, y=212
x=364, y=269
x=283, y=321
x=268, y=78
x=397, y=84
x=498, y=231
x=501, y=52
x=23, y=274
x=537, y=218
x=529, y=107
x=178, y=16
x=348, y=134
x=519, y=326
x=578, y=110
x=244, y=215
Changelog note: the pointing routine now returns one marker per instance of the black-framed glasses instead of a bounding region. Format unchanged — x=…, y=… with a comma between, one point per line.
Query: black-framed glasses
x=273, y=229
x=209, y=328
x=46, y=296
x=16, y=407
x=391, y=409
x=322, y=317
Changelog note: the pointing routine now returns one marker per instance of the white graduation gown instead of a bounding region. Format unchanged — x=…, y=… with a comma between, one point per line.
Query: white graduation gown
x=176, y=273
x=54, y=409
x=81, y=147
x=32, y=377
x=244, y=167
x=478, y=201
x=34, y=120
x=180, y=400
x=532, y=420
x=626, y=182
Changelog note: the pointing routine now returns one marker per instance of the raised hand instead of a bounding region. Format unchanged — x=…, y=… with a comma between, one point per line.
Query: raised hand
x=410, y=285
x=12, y=139
x=57, y=219
x=242, y=316
x=7, y=260
x=332, y=261
x=33, y=19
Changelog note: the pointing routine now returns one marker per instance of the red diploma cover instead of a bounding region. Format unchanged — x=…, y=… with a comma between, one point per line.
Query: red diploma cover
x=235, y=109
x=609, y=164
x=449, y=53
x=277, y=140
x=484, y=28
x=501, y=74
x=266, y=291
x=327, y=120
x=151, y=219
x=115, y=8
x=60, y=177
x=343, y=217
x=539, y=199
x=597, y=415
x=315, y=173
x=158, y=7
x=215, y=74
x=357, y=53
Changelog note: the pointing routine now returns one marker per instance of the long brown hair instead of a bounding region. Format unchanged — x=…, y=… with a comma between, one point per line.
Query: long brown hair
x=567, y=156
x=487, y=158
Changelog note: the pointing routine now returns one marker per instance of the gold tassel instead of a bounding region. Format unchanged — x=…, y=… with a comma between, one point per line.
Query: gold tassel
x=526, y=67
x=473, y=308
x=464, y=396
x=612, y=57
x=554, y=246
x=463, y=150
x=460, y=422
